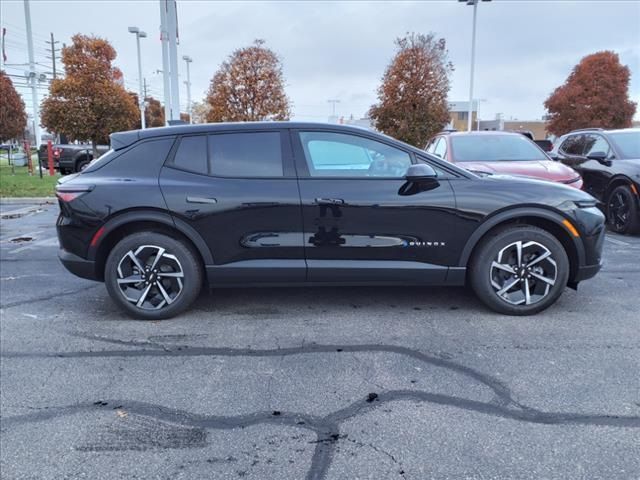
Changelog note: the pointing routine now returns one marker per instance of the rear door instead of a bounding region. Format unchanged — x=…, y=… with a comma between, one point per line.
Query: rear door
x=238, y=189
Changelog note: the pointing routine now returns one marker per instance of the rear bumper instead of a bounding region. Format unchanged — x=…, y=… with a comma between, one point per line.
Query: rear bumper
x=77, y=265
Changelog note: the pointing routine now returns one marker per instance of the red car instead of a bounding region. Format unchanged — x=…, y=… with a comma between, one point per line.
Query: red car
x=501, y=153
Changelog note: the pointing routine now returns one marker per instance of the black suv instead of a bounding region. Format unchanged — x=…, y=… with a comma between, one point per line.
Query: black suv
x=609, y=163
x=169, y=210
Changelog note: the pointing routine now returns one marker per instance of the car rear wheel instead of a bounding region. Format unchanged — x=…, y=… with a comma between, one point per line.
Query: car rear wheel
x=519, y=270
x=622, y=211
x=152, y=276
x=82, y=164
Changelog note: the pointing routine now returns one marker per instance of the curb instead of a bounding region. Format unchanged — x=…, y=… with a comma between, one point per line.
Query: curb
x=14, y=200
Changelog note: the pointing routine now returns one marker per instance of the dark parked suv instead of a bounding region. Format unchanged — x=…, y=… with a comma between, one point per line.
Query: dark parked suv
x=169, y=210
x=609, y=162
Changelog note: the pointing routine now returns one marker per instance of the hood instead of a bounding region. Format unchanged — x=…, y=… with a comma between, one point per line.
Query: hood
x=542, y=169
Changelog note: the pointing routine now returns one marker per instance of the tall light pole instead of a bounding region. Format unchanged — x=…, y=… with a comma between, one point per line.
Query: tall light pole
x=473, y=57
x=31, y=74
x=139, y=34
x=188, y=60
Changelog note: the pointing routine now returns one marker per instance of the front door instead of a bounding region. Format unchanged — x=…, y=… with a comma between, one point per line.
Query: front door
x=363, y=222
x=239, y=191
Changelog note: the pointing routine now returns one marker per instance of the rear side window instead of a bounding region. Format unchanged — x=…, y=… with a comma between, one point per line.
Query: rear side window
x=144, y=158
x=192, y=154
x=255, y=154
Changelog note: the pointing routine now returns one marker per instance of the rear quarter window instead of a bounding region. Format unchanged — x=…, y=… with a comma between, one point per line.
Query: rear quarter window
x=142, y=159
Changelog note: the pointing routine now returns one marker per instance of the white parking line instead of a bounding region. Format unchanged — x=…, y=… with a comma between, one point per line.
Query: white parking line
x=617, y=242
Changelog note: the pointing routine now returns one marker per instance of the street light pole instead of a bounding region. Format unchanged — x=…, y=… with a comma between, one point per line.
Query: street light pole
x=473, y=57
x=473, y=62
x=188, y=60
x=139, y=34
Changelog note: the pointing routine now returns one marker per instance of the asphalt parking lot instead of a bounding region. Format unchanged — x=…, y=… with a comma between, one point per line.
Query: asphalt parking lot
x=322, y=383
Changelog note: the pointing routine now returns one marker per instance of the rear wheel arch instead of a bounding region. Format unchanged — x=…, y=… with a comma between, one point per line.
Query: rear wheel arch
x=619, y=181
x=545, y=220
x=146, y=221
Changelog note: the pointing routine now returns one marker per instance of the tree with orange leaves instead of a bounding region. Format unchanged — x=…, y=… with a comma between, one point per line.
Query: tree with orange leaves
x=89, y=103
x=412, y=99
x=13, y=118
x=596, y=94
x=249, y=86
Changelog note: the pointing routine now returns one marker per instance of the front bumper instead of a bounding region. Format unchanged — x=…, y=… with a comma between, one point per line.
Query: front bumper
x=77, y=265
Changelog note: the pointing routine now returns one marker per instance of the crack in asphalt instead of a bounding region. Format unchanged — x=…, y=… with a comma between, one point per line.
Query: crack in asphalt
x=46, y=297
x=326, y=428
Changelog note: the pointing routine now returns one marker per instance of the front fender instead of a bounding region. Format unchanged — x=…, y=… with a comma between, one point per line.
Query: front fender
x=506, y=216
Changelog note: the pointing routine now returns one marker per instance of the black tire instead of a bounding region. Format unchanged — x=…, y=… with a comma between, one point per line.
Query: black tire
x=177, y=257
x=488, y=280
x=622, y=211
x=82, y=164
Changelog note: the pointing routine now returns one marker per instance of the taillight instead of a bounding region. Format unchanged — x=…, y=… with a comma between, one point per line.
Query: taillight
x=57, y=152
x=68, y=196
x=67, y=193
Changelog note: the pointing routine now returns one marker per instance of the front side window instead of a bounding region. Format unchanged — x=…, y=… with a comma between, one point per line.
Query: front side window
x=331, y=154
x=253, y=154
x=494, y=148
x=441, y=148
x=574, y=145
x=595, y=143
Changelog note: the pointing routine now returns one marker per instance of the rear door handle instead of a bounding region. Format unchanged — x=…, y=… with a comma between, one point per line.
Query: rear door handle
x=329, y=201
x=201, y=200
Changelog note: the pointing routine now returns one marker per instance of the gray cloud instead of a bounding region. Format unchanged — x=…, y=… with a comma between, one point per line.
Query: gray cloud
x=340, y=49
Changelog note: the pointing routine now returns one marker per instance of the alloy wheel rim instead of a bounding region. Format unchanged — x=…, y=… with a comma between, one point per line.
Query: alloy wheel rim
x=150, y=277
x=523, y=273
x=618, y=211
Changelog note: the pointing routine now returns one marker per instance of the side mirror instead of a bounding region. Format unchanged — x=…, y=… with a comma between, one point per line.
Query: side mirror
x=600, y=157
x=419, y=172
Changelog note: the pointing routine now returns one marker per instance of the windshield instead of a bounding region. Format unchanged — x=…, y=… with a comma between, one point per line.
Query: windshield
x=494, y=148
x=628, y=143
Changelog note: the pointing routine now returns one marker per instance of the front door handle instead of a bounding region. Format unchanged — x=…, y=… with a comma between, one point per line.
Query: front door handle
x=329, y=201
x=201, y=200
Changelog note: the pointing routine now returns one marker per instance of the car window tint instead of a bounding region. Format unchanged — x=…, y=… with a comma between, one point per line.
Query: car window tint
x=143, y=157
x=192, y=154
x=595, y=143
x=441, y=148
x=342, y=155
x=255, y=154
x=573, y=145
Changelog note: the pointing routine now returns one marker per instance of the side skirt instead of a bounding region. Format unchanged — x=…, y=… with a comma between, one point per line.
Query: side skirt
x=284, y=272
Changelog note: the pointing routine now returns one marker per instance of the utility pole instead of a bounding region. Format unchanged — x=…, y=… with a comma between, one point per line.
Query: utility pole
x=188, y=60
x=144, y=86
x=54, y=50
x=333, y=102
x=31, y=74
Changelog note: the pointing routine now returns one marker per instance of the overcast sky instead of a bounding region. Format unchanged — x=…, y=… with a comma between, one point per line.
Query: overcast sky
x=340, y=49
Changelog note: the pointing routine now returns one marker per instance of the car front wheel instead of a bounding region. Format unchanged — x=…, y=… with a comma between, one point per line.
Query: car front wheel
x=519, y=270
x=152, y=276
